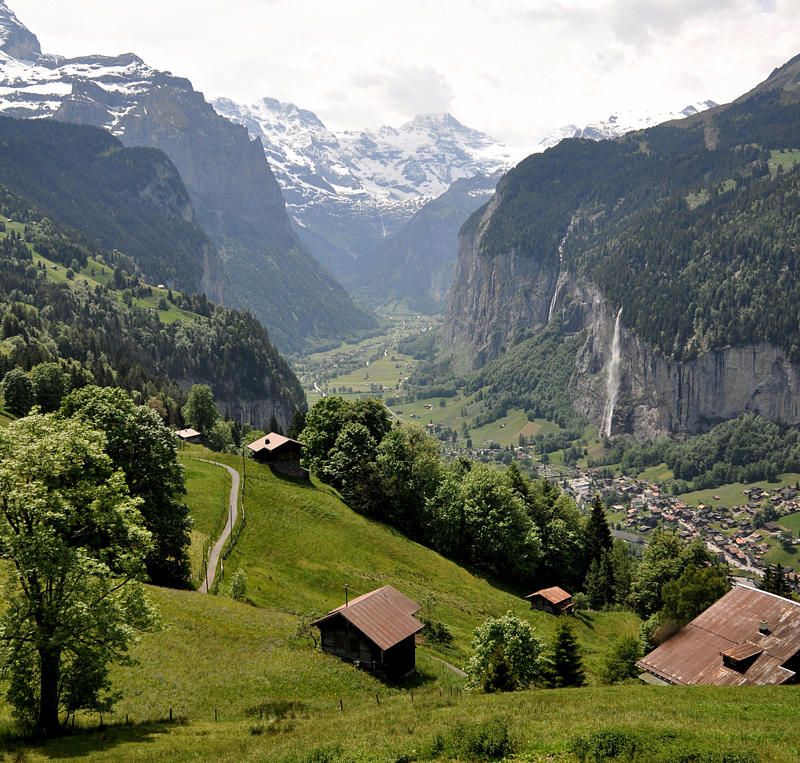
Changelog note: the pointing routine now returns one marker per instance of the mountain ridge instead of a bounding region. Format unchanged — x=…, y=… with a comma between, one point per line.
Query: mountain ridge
x=233, y=190
x=606, y=238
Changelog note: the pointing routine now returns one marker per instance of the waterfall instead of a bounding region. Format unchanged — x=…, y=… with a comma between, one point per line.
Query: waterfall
x=612, y=380
x=558, y=277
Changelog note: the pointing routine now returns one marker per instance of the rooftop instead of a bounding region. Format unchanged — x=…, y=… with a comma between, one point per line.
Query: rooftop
x=385, y=616
x=271, y=441
x=745, y=638
x=554, y=595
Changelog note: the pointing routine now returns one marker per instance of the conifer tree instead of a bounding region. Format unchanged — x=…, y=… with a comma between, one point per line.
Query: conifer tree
x=598, y=535
x=563, y=666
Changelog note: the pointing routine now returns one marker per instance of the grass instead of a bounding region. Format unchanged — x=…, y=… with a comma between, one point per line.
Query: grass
x=301, y=545
x=207, y=490
x=669, y=723
x=783, y=159
x=732, y=495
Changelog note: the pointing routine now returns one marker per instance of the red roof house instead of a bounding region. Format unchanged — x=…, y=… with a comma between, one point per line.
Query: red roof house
x=283, y=454
x=748, y=637
x=375, y=630
x=554, y=600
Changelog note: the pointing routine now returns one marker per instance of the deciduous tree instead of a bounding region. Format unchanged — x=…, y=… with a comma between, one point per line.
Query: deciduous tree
x=76, y=544
x=505, y=655
x=145, y=450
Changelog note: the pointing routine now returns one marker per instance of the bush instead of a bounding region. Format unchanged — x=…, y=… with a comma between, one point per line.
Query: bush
x=487, y=740
x=435, y=632
x=605, y=744
x=620, y=662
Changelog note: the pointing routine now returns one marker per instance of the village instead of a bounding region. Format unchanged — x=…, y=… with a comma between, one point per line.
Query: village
x=741, y=535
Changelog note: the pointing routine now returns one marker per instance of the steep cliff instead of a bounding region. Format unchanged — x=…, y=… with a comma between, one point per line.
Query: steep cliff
x=236, y=197
x=132, y=200
x=673, y=250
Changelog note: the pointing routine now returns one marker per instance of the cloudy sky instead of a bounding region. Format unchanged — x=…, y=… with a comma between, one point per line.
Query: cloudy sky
x=512, y=68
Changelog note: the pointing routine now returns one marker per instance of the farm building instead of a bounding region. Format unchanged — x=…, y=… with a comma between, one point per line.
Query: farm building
x=281, y=453
x=747, y=638
x=554, y=600
x=376, y=631
x=188, y=435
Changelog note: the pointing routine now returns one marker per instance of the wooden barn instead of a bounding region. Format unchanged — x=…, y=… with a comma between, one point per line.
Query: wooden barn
x=188, y=435
x=376, y=631
x=554, y=600
x=281, y=453
x=747, y=638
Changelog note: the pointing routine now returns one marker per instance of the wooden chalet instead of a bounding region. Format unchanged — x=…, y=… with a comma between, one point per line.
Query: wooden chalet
x=281, y=453
x=747, y=638
x=188, y=435
x=376, y=631
x=554, y=600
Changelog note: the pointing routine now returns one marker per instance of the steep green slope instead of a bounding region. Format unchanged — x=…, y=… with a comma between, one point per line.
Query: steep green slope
x=129, y=199
x=106, y=327
x=301, y=545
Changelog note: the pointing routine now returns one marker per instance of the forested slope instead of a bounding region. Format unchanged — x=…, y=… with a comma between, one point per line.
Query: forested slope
x=99, y=320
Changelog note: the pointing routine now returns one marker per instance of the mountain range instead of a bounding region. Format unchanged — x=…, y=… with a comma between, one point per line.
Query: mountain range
x=358, y=198
x=233, y=191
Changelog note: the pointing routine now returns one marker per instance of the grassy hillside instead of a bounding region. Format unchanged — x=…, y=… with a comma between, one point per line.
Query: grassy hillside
x=276, y=698
x=301, y=545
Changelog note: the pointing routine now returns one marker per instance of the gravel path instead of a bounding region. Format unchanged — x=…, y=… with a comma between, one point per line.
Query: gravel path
x=233, y=513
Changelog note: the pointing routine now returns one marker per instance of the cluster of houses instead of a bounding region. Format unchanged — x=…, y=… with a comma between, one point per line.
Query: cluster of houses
x=736, y=534
x=748, y=637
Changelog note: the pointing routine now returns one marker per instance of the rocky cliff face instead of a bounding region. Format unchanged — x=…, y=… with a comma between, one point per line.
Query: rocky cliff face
x=495, y=302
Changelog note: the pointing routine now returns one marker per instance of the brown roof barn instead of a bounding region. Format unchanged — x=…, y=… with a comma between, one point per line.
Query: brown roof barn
x=748, y=637
x=188, y=435
x=281, y=453
x=554, y=600
x=375, y=630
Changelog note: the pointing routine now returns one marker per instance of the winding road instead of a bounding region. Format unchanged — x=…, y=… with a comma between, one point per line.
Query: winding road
x=233, y=514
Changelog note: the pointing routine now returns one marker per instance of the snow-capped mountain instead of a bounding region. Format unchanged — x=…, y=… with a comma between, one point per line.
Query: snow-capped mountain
x=420, y=159
x=349, y=191
x=619, y=124
x=237, y=199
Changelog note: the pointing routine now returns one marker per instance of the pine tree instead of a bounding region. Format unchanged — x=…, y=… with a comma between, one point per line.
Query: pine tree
x=563, y=665
x=775, y=581
x=598, y=535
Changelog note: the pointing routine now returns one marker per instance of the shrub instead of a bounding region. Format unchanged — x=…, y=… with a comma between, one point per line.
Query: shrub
x=487, y=740
x=605, y=744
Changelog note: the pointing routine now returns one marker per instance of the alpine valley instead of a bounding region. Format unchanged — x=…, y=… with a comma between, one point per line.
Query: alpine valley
x=662, y=264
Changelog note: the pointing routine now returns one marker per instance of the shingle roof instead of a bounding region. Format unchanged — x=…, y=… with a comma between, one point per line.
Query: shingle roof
x=270, y=442
x=384, y=616
x=554, y=595
x=730, y=628
x=185, y=434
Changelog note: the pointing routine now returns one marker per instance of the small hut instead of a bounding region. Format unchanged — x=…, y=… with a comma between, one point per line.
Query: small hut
x=376, y=631
x=554, y=600
x=282, y=454
x=188, y=435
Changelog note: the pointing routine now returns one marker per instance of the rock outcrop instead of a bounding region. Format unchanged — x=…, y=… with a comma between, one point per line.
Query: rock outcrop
x=497, y=301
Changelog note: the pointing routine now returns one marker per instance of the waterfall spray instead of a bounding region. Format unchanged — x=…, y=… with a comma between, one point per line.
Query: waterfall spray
x=612, y=380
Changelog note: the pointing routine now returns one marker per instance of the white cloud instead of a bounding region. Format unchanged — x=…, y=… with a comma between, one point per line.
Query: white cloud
x=512, y=68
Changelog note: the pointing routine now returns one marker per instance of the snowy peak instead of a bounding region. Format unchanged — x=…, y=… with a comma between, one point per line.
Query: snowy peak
x=619, y=123
x=387, y=167
x=16, y=40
